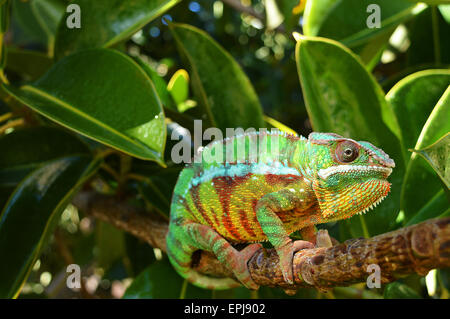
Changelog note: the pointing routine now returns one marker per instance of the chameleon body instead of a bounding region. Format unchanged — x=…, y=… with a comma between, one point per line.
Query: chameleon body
x=292, y=183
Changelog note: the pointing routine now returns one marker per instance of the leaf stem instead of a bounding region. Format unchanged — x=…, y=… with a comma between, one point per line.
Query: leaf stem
x=183, y=289
x=5, y=116
x=364, y=226
x=435, y=26
x=11, y=124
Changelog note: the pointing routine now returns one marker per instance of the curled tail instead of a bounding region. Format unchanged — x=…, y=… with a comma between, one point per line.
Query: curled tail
x=180, y=256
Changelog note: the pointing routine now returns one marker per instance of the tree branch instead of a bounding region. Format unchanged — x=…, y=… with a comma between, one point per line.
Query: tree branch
x=414, y=249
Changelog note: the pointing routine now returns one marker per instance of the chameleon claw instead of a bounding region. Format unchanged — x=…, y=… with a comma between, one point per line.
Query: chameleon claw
x=244, y=274
x=323, y=239
x=286, y=253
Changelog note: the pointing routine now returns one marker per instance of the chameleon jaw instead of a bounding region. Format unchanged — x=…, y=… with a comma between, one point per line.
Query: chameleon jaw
x=324, y=173
x=372, y=206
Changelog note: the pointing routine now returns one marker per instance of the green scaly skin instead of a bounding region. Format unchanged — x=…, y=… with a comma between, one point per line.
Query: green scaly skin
x=250, y=199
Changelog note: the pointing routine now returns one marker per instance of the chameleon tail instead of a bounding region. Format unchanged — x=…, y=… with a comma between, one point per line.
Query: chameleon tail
x=180, y=255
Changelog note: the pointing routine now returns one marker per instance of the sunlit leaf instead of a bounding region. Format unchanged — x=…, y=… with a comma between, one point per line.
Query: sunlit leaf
x=116, y=105
x=397, y=290
x=413, y=98
x=224, y=92
x=107, y=22
x=421, y=182
x=438, y=156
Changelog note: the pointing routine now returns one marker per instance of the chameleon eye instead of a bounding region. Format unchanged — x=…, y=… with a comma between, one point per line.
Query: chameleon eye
x=347, y=152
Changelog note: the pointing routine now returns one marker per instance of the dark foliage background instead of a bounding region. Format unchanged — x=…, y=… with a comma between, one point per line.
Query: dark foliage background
x=95, y=108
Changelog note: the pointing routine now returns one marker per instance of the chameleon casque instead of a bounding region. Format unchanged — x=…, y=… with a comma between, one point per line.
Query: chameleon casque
x=293, y=186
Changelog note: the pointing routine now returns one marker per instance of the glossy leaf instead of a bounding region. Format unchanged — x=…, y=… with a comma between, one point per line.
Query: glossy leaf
x=421, y=183
x=397, y=290
x=438, y=156
x=153, y=283
x=110, y=244
x=31, y=213
x=179, y=86
x=29, y=64
x=112, y=20
x=224, y=92
x=413, y=98
x=423, y=30
x=445, y=11
x=116, y=105
x=291, y=10
x=40, y=18
x=329, y=19
x=24, y=150
x=436, y=207
x=274, y=123
x=342, y=97
x=159, y=82
x=4, y=23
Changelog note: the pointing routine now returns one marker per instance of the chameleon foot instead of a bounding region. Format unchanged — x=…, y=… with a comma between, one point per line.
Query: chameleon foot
x=286, y=253
x=323, y=239
x=243, y=274
x=290, y=292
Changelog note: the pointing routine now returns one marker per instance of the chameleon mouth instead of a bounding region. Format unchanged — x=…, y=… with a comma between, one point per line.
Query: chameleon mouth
x=324, y=173
x=372, y=206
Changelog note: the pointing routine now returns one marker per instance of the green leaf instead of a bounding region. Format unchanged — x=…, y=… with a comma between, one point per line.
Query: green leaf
x=112, y=20
x=110, y=244
x=329, y=19
x=421, y=182
x=40, y=18
x=438, y=156
x=223, y=91
x=4, y=23
x=413, y=98
x=105, y=96
x=342, y=97
x=161, y=281
x=291, y=10
x=158, y=81
x=436, y=207
x=275, y=124
x=24, y=150
x=29, y=64
x=428, y=34
x=398, y=290
x=31, y=214
x=445, y=11
x=139, y=253
x=179, y=86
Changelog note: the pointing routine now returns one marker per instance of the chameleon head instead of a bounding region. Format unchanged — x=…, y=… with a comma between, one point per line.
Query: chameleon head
x=351, y=176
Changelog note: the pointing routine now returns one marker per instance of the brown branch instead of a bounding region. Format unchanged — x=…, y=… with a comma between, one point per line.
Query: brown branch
x=414, y=249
